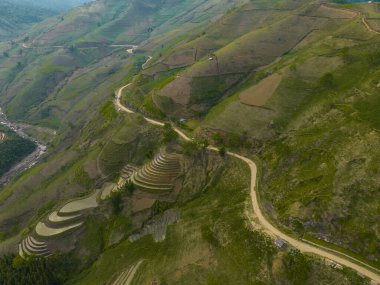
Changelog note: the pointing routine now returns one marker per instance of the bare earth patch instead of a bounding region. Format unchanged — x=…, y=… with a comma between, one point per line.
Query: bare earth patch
x=259, y=94
x=142, y=203
x=179, y=90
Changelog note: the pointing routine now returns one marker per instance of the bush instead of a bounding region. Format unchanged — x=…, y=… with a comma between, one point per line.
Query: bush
x=169, y=134
x=297, y=267
x=222, y=151
x=129, y=187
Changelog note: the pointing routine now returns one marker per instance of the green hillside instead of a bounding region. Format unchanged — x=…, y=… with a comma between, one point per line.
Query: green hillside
x=15, y=18
x=121, y=199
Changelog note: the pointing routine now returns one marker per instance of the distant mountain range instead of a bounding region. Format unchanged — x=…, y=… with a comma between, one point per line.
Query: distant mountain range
x=55, y=5
x=15, y=17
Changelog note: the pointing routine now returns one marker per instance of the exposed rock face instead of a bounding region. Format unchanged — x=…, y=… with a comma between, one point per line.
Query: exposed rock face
x=200, y=169
x=3, y=136
x=157, y=226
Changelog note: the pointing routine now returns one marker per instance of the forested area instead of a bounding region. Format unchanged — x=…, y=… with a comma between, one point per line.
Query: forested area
x=13, y=149
x=45, y=271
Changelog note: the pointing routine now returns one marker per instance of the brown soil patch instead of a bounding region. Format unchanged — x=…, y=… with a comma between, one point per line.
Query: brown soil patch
x=181, y=58
x=142, y=203
x=91, y=168
x=259, y=94
x=179, y=90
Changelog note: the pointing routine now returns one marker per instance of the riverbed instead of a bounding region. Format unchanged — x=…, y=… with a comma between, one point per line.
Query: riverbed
x=27, y=161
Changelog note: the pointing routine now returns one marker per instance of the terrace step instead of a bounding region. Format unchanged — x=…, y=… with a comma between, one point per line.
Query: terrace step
x=159, y=174
x=43, y=230
x=80, y=204
x=32, y=250
x=128, y=171
x=151, y=181
x=147, y=171
x=150, y=187
x=33, y=243
x=55, y=217
x=31, y=247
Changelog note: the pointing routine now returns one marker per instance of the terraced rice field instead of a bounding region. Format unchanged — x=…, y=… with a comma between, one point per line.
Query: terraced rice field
x=126, y=277
x=259, y=94
x=56, y=218
x=69, y=218
x=32, y=247
x=44, y=230
x=159, y=174
x=82, y=204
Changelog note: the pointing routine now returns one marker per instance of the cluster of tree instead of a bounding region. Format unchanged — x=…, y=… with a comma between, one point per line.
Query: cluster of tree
x=168, y=134
x=13, y=150
x=54, y=270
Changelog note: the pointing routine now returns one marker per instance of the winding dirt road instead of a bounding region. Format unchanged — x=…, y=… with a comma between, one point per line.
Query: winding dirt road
x=302, y=246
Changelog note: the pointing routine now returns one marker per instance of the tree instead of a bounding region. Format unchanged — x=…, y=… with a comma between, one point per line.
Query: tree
x=117, y=202
x=189, y=147
x=222, y=151
x=129, y=187
x=169, y=133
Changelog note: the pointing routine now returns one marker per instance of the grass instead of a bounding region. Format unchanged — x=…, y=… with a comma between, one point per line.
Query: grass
x=211, y=244
x=343, y=250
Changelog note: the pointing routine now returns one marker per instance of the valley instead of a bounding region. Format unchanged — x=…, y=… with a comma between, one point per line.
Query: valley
x=240, y=145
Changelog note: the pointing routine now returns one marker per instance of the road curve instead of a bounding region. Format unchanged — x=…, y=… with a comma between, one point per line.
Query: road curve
x=302, y=246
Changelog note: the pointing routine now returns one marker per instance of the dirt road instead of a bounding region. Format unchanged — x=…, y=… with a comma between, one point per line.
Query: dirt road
x=358, y=14
x=302, y=246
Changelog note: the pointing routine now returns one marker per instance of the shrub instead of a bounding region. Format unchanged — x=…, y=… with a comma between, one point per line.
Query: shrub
x=117, y=202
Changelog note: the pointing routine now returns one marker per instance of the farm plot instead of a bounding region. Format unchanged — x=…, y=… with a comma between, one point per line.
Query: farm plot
x=82, y=204
x=44, y=230
x=159, y=174
x=69, y=218
x=259, y=94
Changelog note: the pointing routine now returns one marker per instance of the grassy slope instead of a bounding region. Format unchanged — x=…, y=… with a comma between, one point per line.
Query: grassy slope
x=85, y=132
x=211, y=244
x=318, y=181
x=88, y=79
x=17, y=17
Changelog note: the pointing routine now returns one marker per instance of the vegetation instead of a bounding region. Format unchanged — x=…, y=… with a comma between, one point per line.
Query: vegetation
x=13, y=149
x=117, y=202
x=54, y=270
x=315, y=137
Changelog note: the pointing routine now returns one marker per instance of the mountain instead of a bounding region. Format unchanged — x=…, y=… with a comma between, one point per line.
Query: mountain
x=53, y=5
x=195, y=142
x=16, y=17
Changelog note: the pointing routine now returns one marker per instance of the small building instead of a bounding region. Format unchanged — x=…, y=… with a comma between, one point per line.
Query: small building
x=280, y=243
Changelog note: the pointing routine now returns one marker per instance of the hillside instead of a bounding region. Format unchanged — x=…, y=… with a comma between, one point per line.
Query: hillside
x=53, y=5
x=15, y=18
x=152, y=112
